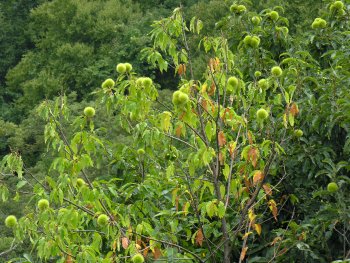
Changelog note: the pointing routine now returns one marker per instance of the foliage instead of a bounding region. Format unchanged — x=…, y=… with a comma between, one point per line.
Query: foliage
x=234, y=165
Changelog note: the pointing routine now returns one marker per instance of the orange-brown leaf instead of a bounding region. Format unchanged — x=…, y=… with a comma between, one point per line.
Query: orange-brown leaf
x=181, y=69
x=267, y=189
x=69, y=259
x=177, y=203
x=221, y=138
x=125, y=242
x=157, y=253
x=273, y=208
x=275, y=241
x=178, y=130
x=214, y=64
x=243, y=253
x=283, y=251
x=247, y=182
x=258, y=177
x=221, y=158
x=199, y=237
x=204, y=103
x=145, y=251
x=294, y=110
x=212, y=90
x=253, y=156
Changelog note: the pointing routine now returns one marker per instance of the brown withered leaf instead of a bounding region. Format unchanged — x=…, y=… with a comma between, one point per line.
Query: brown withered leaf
x=253, y=156
x=204, y=104
x=221, y=139
x=178, y=130
x=283, y=251
x=199, y=237
x=214, y=64
x=157, y=253
x=177, y=203
x=145, y=251
x=247, y=182
x=221, y=158
x=273, y=208
x=69, y=259
x=267, y=189
x=125, y=242
x=294, y=110
x=275, y=241
x=243, y=253
x=181, y=69
x=212, y=90
x=258, y=177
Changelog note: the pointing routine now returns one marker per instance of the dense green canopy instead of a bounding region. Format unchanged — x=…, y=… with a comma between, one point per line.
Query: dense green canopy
x=145, y=131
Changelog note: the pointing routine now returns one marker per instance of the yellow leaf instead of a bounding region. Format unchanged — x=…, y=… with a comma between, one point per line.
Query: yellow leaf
x=257, y=228
x=285, y=122
x=247, y=234
x=273, y=208
x=165, y=120
x=258, y=177
x=251, y=215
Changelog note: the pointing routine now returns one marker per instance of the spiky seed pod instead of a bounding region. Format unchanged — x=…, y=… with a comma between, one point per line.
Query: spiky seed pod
x=263, y=83
x=89, y=112
x=147, y=82
x=108, y=83
x=138, y=258
x=43, y=204
x=338, y=5
x=128, y=67
x=11, y=221
x=256, y=20
x=262, y=114
x=276, y=71
x=121, y=68
x=247, y=40
x=80, y=182
x=274, y=15
x=298, y=133
x=255, y=41
x=102, y=220
x=140, y=151
x=183, y=98
x=332, y=187
x=233, y=81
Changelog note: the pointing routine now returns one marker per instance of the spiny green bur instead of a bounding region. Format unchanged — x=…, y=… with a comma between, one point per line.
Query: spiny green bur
x=108, y=83
x=89, y=112
x=11, y=221
x=43, y=204
x=138, y=258
x=102, y=220
x=262, y=114
x=121, y=68
x=276, y=71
